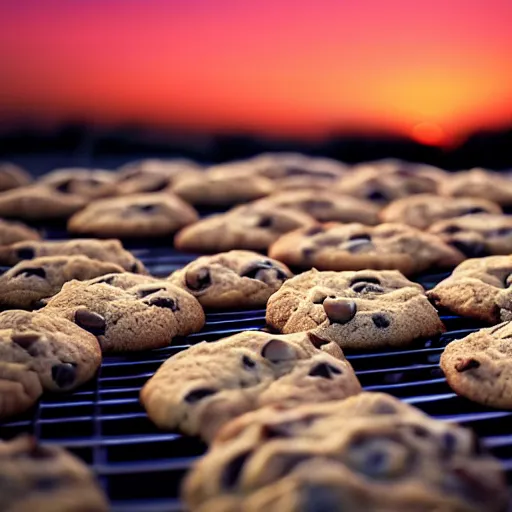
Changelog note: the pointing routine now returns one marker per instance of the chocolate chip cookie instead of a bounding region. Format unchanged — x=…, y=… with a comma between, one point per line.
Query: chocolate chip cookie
x=249, y=227
x=24, y=285
x=102, y=250
x=422, y=210
x=354, y=246
x=203, y=387
x=477, y=182
x=153, y=175
x=206, y=189
x=479, y=366
x=12, y=232
x=357, y=310
x=235, y=279
x=39, y=202
x=326, y=205
x=140, y=215
x=89, y=183
x=12, y=176
x=142, y=317
x=341, y=456
x=46, y=478
x=383, y=186
x=477, y=235
x=60, y=353
x=479, y=289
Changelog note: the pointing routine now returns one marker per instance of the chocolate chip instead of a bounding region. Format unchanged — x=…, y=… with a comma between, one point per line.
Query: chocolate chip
x=368, y=279
x=450, y=230
x=376, y=195
x=198, y=394
x=164, y=302
x=135, y=268
x=380, y=320
x=143, y=208
x=357, y=242
x=64, y=186
x=148, y=291
x=501, y=232
x=324, y=370
x=25, y=253
x=315, y=230
x=316, y=340
x=361, y=236
x=308, y=252
x=248, y=362
x=254, y=268
x=277, y=351
x=29, y=272
x=470, y=249
x=339, y=310
x=265, y=222
x=467, y=364
x=367, y=288
x=231, y=473
x=64, y=374
x=25, y=339
x=320, y=498
x=105, y=280
x=472, y=211
x=198, y=280
x=448, y=444
x=47, y=483
x=90, y=321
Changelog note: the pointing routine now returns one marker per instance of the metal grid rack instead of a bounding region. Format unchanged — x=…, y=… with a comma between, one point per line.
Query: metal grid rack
x=141, y=467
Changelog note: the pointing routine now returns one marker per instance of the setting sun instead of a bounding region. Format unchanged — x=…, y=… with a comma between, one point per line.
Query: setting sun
x=434, y=71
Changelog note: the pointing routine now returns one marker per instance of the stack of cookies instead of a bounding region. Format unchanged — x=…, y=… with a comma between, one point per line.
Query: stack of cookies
x=330, y=251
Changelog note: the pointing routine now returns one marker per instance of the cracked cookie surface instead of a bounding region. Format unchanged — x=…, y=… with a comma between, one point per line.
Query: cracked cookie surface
x=479, y=366
x=140, y=215
x=354, y=246
x=250, y=227
x=366, y=453
x=102, y=250
x=234, y=279
x=140, y=317
x=24, y=285
x=357, y=310
x=478, y=288
x=422, y=210
x=203, y=387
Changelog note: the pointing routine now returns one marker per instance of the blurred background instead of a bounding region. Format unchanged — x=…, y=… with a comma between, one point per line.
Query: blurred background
x=99, y=82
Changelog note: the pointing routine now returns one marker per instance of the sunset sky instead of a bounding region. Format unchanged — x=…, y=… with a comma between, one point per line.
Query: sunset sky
x=433, y=70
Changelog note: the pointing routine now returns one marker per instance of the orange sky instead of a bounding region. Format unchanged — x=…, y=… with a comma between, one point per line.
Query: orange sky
x=433, y=70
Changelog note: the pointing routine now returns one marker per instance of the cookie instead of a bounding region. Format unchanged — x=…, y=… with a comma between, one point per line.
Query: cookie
x=46, y=478
x=250, y=227
x=479, y=366
x=397, y=166
x=357, y=310
x=200, y=389
x=39, y=202
x=12, y=176
x=478, y=288
x=12, y=232
x=477, y=182
x=142, y=317
x=103, y=250
x=232, y=280
x=24, y=285
x=325, y=206
x=422, y=210
x=206, y=189
x=89, y=183
x=153, y=175
x=141, y=215
x=340, y=456
x=483, y=234
x=60, y=353
x=382, y=186
x=354, y=246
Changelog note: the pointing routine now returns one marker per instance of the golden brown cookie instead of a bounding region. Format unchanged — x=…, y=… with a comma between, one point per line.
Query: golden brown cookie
x=12, y=232
x=12, y=176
